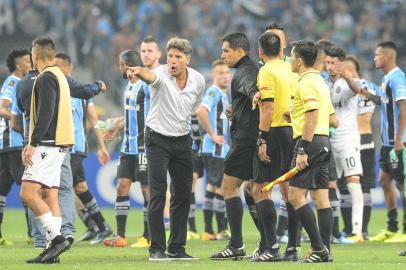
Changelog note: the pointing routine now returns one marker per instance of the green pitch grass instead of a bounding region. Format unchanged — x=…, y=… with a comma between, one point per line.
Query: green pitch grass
x=366, y=256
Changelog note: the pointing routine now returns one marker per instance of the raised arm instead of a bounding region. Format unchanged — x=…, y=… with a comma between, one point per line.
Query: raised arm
x=142, y=73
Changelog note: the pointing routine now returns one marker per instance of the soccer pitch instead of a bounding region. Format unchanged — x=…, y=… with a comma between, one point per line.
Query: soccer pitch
x=84, y=256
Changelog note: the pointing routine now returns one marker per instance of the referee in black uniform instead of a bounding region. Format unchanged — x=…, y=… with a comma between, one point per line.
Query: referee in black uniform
x=243, y=133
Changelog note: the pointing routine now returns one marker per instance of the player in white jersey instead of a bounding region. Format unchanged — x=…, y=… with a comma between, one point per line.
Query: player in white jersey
x=366, y=109
x=345, y=141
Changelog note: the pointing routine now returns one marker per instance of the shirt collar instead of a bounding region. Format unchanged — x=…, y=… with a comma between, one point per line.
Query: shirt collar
x=243, y=60
x=392, y=71
x=308, y=72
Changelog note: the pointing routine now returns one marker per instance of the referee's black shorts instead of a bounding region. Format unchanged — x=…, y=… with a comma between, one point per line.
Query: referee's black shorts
x=280, y=150
x=238, y=162
x=316, y=175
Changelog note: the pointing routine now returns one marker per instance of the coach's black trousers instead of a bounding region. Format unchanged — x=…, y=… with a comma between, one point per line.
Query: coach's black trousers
x=173, y=154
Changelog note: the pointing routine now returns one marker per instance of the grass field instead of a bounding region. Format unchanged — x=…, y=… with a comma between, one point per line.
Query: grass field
x=83, y=256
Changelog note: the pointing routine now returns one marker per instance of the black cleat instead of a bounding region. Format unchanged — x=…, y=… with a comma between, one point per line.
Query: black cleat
x=88, y=235
x=58, y=245
x=256, y=253
x=268, y=256
x=181, y=256
x=39, y=257
x=318, y=256
x=291, y=255
x=229, y=253
x=158, y=256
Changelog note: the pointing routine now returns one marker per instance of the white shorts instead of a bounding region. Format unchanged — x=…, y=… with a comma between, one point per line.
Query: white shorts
x=46, y=166
x=347, y=157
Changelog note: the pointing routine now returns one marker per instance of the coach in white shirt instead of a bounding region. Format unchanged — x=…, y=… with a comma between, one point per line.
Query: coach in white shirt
x=176, y=91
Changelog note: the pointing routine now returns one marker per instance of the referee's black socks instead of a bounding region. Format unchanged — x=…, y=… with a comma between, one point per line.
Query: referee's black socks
x=235, y=211
x=308, y=220
x=293, y=226
x=268, y=217
x=253, y=210
x=325, y=220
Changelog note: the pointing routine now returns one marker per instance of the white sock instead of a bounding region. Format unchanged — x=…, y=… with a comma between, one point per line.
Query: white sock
x=357, y=207
x=49, y=224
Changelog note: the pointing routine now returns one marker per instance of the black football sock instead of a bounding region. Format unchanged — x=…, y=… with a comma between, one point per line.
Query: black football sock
x=325, y=220
x=122, y=208
x=335, y=206
x=235, y=212
x=219, y=207
x=346, y=210
x=145, y=234
x=309, y=223
x=293, y=226
x=268, y=217
x=366, y=214
x=208, y=212
x=91, y=205
x=282, y=219
x=392, y=220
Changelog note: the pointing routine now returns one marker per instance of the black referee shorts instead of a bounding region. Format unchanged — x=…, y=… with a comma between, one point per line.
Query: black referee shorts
x=133, y=167
x=78, y=172
x=11, y=170
x=238, y=162
x=280, y=150
x=316, y=175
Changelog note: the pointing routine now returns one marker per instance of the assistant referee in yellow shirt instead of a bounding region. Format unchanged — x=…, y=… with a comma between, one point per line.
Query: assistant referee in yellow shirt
x=276, y=83
x=310, y=121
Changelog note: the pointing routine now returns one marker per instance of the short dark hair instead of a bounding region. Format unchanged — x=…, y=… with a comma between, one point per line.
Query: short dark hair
x=46, y=47
x=388, y=45
x=336, y=52
x=325, y=44
x=64, y=57
x=151, y=39
x=306, y=50
x=12, y=57
x=270, y=43
x=218, y=62
x=273, y=26
x=131, y=58
x=238, y=40
x=354, y=60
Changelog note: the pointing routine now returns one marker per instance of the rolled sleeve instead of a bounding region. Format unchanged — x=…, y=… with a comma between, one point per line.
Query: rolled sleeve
x=310, y=99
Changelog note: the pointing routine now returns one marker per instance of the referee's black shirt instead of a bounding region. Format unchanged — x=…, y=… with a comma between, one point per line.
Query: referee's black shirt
x=245, y=121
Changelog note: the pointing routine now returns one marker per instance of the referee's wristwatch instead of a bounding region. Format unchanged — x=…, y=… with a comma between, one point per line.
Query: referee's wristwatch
x=303, y=147
x=261, y=141
x=262, y=137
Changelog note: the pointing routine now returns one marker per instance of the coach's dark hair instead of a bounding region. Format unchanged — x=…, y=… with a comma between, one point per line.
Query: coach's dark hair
x=12, y=57
x=150, y=39
x=46, y=47
x=354, y=60
x=270, y=43
x=64, y=57
x=389, y=45
x=325, y=44
x=273, y=26
x=307, y=51
x=238, y=40
x=336, y=52
x=131, y=58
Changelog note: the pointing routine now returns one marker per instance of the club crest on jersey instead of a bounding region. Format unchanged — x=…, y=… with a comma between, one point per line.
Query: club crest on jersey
x=11, y=83
x=43, y=155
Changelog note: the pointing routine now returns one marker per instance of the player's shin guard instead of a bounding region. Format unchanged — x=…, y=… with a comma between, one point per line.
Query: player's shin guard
x=90, y=203
x=367, y=209
x=219, y=207
x=235, y=212
x=335, y=206
x=293, y=226
x=308, y=221
x=282, y=219
x=122, y=208
x=346, y=210
x=191, y=217
x=2, y=205
x=325, y=220
x=357, y=207
x=267, y=215
x=145, y=216
x=208, y=212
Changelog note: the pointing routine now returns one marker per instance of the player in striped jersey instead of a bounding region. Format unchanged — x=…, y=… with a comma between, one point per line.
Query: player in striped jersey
x=132, y=164
x=78, y=152
x=212, y=115
x=393, y=123
x=11, y=142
